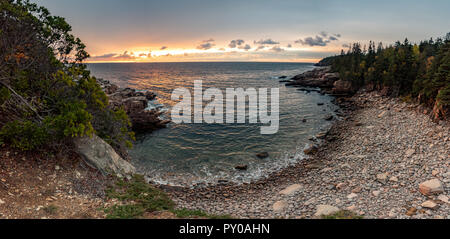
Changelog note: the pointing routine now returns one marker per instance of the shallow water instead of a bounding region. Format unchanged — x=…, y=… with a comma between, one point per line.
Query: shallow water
x=187, y=154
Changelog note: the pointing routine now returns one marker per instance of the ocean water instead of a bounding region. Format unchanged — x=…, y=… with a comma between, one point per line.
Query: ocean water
x=188, y=154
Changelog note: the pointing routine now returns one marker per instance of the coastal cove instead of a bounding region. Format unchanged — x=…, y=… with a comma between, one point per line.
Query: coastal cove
x=202, y=154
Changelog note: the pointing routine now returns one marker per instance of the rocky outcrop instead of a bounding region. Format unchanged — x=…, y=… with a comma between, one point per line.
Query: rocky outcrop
x=135, y=104
x=97, y=153
x=323, y=78
x=318, y=77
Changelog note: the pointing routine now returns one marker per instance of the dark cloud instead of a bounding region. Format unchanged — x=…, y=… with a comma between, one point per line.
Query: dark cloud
x=246, y=47
x=266, y=42
x=346, y=45
x=125, y=56
x=320, y=40
x=105, y=56
x=236, y=43
x=289, y=46
x=206, y=44
x=276, y=49
x=332, y=38
x=163, y=48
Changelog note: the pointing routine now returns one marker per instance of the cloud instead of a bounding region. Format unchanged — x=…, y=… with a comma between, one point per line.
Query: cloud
x=346, y=45
x=206, y=44
x=289, y=46
x=266, y=42
x=163, y=48
x=125, y=56
x=103, y=57
x=320, y=40
x=260, y=48
x=235, y=43
x=276, y=49
x=332, y=38
x=246, y=47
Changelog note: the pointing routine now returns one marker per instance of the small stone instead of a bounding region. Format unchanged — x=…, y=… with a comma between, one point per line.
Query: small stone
x=411, y=211
x=352, y=195
x=57, y=167
x=382, y=114
x=311, y=150
x=376, y=193
x=262, y=155
x=393, y=179
x=291, y=189
x=443, y=198
x=434, y=172
x=241, y=167
x=382, y=177
x=329, y=118
x=341, y=186
x=352, y=208
x=430, y=204
x=279, y=206
x=409, y=153
x=431, y=187
x=2, y=202
x=324, y=210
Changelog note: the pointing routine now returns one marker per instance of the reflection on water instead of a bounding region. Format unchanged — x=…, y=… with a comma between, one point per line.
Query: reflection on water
x=185, y=154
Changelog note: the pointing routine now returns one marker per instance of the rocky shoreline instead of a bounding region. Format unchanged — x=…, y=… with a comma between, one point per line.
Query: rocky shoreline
x=371, y=163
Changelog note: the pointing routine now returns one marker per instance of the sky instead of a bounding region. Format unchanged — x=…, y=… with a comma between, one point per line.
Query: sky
x=244, y=30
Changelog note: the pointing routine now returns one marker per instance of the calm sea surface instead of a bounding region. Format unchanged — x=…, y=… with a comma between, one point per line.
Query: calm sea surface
x=187, y=154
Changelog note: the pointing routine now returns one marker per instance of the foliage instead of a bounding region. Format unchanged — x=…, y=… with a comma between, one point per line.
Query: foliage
x=50, y=209
x=46, y=94
x=420, y=71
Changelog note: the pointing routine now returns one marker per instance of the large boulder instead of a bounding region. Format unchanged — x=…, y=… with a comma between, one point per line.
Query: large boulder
x=342, y=87
x=430, y=187
x=97, y=153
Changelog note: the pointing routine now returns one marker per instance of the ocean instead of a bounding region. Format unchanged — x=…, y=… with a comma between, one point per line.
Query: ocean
x=192, y=154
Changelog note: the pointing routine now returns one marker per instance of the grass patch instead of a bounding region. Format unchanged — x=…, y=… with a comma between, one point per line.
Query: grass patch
x=186, y=213
x=50, y=209
x=138, y=197
x=343, y=214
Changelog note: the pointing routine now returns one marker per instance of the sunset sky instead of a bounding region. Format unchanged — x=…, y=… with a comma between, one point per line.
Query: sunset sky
x=254, y=30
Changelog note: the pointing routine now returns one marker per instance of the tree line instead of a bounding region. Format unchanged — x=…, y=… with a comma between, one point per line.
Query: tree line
x=416, y=71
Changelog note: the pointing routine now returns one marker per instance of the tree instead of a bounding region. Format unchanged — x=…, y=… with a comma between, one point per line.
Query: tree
x=47, y=95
